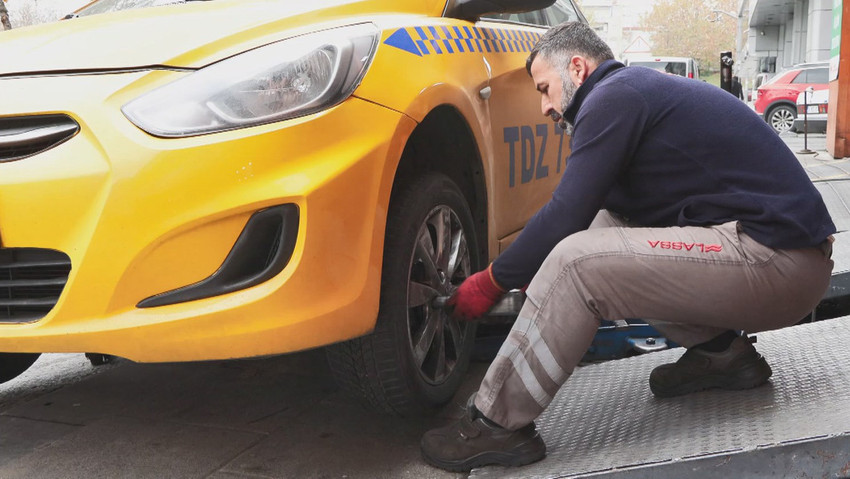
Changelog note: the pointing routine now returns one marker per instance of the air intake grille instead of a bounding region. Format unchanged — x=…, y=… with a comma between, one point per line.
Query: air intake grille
x=31, y=281
x=23, y=136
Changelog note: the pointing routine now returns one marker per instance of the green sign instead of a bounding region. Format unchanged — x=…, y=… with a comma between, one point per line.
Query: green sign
x=836, y=39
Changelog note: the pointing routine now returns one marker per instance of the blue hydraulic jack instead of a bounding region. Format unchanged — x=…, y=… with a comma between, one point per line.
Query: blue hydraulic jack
x=614, y=339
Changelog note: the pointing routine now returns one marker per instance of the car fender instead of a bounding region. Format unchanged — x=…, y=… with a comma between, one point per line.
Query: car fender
x=449, y=79
x=432, y=97
x=456, y=79
x=772, y=106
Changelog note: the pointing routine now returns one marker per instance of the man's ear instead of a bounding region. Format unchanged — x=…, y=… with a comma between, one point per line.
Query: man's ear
x=578, y=69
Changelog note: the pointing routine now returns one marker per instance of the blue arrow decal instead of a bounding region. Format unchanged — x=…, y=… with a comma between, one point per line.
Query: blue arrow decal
x=439, y=40
x=401, y=39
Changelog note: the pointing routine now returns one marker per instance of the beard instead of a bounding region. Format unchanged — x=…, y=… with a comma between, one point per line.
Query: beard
x=568, y=90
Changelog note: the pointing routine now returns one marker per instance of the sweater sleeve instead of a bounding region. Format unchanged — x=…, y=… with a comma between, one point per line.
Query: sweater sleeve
x=608, y=129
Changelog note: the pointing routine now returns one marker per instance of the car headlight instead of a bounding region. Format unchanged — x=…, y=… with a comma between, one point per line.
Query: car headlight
x=283, y=80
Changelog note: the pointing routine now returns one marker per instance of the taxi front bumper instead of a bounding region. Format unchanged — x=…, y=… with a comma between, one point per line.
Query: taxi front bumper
x=139, y=216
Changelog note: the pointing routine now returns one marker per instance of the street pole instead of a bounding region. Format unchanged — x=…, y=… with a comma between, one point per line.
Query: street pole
x=806, y=150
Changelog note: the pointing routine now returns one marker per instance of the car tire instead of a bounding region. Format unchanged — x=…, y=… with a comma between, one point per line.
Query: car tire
x=781, y=118
x=13, y=365
x=415, y=359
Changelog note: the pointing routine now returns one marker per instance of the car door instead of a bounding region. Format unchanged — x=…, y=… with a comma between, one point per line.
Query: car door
x=530, y=151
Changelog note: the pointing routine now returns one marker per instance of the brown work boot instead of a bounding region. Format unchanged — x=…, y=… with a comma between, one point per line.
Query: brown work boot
x=740, y=366
x=475, y=441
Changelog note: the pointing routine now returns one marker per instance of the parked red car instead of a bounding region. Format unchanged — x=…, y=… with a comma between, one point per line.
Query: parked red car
x=777, y=98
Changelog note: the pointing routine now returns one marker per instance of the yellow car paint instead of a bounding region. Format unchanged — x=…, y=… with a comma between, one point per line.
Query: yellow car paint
x=140, y=215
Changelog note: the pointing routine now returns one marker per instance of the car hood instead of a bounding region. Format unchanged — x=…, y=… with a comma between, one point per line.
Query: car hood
x=187, y=35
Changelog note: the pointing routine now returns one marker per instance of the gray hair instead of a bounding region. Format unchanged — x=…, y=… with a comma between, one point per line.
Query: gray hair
x=563, y=41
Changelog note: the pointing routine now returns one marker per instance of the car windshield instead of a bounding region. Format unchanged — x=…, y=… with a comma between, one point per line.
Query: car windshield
x=106, y=6
x=676, y=68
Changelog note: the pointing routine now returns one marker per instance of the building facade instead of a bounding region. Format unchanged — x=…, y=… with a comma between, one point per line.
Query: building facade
x=776, y=34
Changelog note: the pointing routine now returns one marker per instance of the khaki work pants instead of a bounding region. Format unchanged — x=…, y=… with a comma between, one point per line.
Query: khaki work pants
x=690, y=283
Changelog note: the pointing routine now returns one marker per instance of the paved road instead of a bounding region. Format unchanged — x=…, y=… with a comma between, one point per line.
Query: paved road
x=268, y=418
x=274, y=417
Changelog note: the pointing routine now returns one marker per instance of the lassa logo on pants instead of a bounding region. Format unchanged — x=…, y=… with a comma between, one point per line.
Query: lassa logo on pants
x=679, y=245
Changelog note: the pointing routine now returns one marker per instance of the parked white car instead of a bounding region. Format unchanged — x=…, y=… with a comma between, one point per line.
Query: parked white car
x=682, y=66
x=812, y=107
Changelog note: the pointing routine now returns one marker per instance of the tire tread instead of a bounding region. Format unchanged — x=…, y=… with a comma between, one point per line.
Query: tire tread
x=368, y=367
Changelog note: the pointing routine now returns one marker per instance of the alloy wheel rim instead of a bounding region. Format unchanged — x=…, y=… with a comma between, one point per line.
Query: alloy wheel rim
x=782, y=120
x=439, y=264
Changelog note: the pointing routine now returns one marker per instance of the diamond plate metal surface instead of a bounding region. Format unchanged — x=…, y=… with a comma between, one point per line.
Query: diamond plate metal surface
x=605, y=419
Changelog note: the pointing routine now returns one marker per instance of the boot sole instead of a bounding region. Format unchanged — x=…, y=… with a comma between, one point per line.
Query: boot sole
x=749, y=377
x=521, y=455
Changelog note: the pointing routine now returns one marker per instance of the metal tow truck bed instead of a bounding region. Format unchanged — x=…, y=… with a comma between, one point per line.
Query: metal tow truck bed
x=605, y=422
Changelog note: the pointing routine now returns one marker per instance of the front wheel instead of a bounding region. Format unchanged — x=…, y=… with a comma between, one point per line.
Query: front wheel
x=416, y=358
x=781, y=118
x=13, y=365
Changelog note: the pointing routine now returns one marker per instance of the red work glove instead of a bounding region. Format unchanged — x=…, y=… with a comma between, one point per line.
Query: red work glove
x=476, y=295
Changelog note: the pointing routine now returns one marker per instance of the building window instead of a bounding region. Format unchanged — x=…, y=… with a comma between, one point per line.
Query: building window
x=767, y=64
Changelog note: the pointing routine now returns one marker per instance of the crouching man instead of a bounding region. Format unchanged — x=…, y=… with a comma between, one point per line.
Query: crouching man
x=678, y=205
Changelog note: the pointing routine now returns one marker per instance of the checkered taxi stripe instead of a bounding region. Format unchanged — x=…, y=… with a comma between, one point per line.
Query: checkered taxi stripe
x=448, y=40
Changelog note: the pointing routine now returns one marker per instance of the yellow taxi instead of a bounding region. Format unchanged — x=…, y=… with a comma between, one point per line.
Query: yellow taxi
x=204, y=180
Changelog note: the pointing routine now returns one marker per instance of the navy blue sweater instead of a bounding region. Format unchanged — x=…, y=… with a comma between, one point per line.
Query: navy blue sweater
x=663, y=150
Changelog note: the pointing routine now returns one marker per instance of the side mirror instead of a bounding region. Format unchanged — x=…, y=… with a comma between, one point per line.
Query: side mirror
x=471, y=10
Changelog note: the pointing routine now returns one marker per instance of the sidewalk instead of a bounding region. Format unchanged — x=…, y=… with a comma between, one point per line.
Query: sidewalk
x=829, y=175
x=819, y=163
